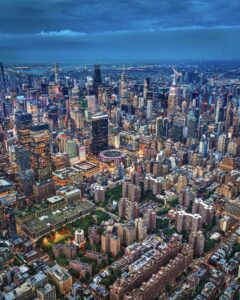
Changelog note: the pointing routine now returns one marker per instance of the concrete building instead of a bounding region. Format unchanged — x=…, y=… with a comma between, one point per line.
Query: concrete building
x=79, y=237
x=99, y=194
x=153, y=288
x=143, y=268
x=206, y=211
x=127, y=209
x=197, y=240
x=70, y=251
x=81, y=267
x=150, y=219
x=127, y=233
x=131, y=191
x=61, y=278
x=188, y=222
x=141, y=229
x=110, y=244
x=48, y=292
x=185, y=197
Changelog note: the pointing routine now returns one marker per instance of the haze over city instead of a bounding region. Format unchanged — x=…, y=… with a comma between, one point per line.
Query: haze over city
x=119, y=150
x=118, y=31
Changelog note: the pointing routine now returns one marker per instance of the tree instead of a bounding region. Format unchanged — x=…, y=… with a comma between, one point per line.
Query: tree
x=74, y=273
x=209, y=244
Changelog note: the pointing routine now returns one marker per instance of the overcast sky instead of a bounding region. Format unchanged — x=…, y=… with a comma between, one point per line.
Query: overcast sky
x=76, y=31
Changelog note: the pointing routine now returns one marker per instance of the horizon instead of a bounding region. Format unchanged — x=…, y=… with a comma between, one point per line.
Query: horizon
x=118, y=31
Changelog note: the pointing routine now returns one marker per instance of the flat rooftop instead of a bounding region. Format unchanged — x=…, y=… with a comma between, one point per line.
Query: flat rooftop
x=54, y=199
x=5, y=184
x=49, y=220
x=86, y=166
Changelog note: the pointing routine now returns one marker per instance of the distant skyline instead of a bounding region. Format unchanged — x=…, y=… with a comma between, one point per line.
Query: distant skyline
x=114, y=31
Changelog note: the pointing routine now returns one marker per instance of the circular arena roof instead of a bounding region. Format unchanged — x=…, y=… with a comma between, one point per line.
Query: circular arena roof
x=111, y=155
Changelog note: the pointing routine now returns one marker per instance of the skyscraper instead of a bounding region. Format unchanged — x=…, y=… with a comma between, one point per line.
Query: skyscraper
x=40, y=152
x=149, y=108
x=10, y=222
x=99, y=133
x=97, y=75
x=123, y=88
x=172, y=99
x=2, y=79
x=22, y=157
x=162, y=126
x=146, y=87
x=97, y=80
x=191, y=124
x=23, y=123
x=26, y=176
x=56, y=73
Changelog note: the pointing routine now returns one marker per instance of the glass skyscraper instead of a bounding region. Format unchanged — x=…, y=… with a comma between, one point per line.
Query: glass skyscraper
x=99, y=133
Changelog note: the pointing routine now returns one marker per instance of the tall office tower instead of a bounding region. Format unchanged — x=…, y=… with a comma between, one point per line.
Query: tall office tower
x=203, y=145
x=162, y=125
x=91, y=103
x=222, y=143
x=235, y=123
x=71, y=147
x=56, y=73
x=177, y=132
x=97, y=80
x=2, y=79
x=22, y=158
x=4, y=156
x=9, y=219
x=99, y=133
x=33, y=108
x=229, y=115
x=40, y=152
x=149, y=108
x=146, y=87
x=172, y=99
x=123, y=88
x=53, y=116
x=26, y=175
x=191, y=124
x=23, y=123
x=219, y=116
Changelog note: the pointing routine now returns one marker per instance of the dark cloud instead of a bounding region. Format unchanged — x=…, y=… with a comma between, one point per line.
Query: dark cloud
x=114, y=29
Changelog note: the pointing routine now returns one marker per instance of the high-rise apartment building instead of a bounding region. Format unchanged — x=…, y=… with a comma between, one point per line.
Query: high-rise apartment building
x=205, y=210
x=110, y=243
x=188, y=222
x=197, y=240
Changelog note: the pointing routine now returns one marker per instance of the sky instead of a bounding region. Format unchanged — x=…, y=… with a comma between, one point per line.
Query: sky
x=118, y=31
